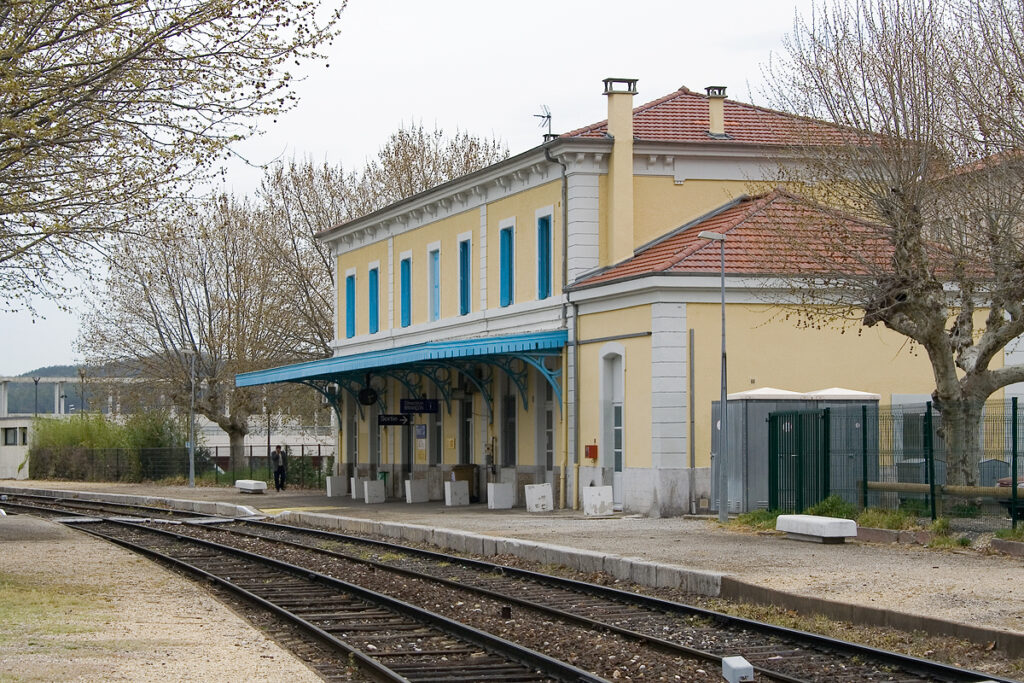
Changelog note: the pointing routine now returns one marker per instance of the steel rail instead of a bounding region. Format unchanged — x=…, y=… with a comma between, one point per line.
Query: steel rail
x=919, y=666
x=661, y=644
x=525, y=656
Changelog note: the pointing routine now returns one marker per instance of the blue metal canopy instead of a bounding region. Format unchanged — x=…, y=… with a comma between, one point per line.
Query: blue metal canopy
x=432, y=361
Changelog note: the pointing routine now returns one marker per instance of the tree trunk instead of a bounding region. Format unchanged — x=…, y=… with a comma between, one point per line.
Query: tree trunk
x=961, y=432
x=237, y=440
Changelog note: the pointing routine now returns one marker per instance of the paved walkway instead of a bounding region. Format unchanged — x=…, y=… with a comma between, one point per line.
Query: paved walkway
x=961, y=586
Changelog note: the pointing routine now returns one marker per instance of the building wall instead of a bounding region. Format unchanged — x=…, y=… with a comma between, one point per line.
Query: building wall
x=636, y=353
x=661, y=204
x=766, y=349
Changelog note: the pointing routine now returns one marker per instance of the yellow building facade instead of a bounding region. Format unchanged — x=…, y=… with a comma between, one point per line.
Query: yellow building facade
x=478, y=337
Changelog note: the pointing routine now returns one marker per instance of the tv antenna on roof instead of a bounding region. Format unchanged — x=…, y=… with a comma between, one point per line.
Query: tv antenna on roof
x=545, y=117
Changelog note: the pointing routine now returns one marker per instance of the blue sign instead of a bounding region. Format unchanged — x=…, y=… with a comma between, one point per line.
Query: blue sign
x=385, y=420
x=420, y=405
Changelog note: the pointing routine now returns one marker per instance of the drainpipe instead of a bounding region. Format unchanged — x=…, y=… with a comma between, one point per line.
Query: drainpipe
x=565, y=277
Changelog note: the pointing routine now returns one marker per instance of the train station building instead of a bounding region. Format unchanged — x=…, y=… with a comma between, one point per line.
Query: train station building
x=555, y=317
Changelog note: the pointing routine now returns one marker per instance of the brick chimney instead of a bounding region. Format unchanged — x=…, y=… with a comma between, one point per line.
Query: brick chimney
x=716, y=111
x=619, y=243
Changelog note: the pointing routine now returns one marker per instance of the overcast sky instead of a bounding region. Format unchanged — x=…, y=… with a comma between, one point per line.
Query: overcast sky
x=482, y=67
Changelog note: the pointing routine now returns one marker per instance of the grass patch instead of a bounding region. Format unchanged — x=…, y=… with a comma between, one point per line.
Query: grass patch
x=38, y=615
x=940, y=527
x=757, y=519
x=876, y=518
x=1011, y=534
x=947, y=541
x=833, y=506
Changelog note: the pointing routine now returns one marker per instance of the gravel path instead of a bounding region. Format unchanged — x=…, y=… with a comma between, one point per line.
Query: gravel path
x=72, y=611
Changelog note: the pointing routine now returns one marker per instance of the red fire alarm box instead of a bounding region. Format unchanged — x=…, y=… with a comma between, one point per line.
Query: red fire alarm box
x=590, y=451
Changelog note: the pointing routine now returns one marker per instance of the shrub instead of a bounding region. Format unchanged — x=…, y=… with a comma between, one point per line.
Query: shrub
x=965, y=510
x=758, y=519
x=833, y=506
x=1011, y=534
x=886, y=519
x=940, y=527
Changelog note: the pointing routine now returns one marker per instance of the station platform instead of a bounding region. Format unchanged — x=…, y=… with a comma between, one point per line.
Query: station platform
x=967, y=593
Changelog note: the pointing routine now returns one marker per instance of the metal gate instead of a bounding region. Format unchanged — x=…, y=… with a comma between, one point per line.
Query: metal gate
x=798, y=459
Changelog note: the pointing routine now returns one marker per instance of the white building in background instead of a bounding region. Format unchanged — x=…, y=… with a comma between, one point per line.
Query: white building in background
x=16, y=428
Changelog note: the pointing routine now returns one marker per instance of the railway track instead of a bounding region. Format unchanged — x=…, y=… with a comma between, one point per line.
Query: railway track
x=667, y=628
x=388, y=639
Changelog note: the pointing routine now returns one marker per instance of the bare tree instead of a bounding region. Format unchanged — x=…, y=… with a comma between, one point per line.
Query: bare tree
x=201, y=294
x=928, y=97
x=108, y=106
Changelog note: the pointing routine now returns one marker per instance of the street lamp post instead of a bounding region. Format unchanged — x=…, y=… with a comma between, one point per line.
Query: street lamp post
x=723, y=439
x=35, y=410
x=191, y=417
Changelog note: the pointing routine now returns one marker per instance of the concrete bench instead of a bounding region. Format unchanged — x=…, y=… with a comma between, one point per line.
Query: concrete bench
x=816, y=529
x=250, y=485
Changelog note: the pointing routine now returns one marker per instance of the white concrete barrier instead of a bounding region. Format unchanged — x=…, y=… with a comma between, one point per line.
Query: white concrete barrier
x=456, y=493
x=817, y=529
x=597, y=501
x=373, y=491
x=357, y=488
x=250, y=486
x=539, y=498
x=336, y=486
x=500, y=496
x=416, y=491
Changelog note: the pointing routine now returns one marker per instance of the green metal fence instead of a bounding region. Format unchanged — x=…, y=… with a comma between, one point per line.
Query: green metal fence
x=893, y=457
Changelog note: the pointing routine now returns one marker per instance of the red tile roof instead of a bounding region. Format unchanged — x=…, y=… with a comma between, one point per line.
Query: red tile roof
x=682, y=116
x=772, y=234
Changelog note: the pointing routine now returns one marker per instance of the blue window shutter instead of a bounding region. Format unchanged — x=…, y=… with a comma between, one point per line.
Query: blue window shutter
x=507, y=265
x=350, y=306
x=464, y=302
x=544, y=257
x=374, y=301
x=406, y=276
x=435, y=285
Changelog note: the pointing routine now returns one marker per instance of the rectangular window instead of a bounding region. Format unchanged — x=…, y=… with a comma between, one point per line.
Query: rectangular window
x=10, y=436
x=434, y=263
x=374, y=283
x=406, y=291
x=506, y=260
x=544, y=257
x=350, y=306
x=464, y=277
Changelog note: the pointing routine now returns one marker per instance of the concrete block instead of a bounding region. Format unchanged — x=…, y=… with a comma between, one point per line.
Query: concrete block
x=250, y=486
x=597, y=501
x=373, y=492
x=534, y=552
x=619, y=567
x=737, y=669
x=456, y=493
x=702, y=583
x=473, y=544
x=488, y=545
x=817, y=529
x=356, y=487
x=500, y=496
x=440, y=538
x=416, y=491
x=205, y=507
x=669, y=576
x=246, y=511
x=588, y=561
x=336, y=486
x=558, y=555
x=227, y=510
x=644, y=573
x=507, y=546
x=539, y=498
x=391, y=529
x=417, y=533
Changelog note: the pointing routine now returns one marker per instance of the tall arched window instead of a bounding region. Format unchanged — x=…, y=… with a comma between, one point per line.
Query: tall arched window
x=613, y=435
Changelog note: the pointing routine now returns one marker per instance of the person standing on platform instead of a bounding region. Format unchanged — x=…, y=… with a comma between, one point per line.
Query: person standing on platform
x=277, y=461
